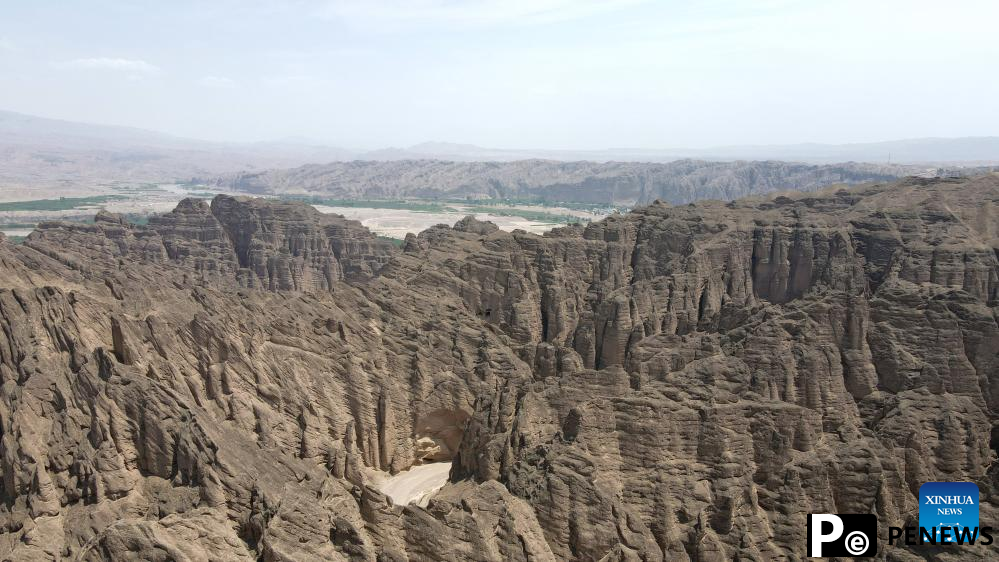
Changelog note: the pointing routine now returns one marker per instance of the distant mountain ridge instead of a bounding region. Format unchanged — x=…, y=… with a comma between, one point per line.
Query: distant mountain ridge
x=971, y=151
x=50, y=154
x=984, y=150
x=49, y=157
x=41, y=131
x=612, y=183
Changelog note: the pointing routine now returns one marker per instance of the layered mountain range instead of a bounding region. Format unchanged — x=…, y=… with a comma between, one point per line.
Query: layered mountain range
x=613, y=183
x=675, y=383
x=47, y=158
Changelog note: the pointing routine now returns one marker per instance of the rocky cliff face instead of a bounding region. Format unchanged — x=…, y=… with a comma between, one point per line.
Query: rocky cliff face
x=677, y=383
x=623, y=183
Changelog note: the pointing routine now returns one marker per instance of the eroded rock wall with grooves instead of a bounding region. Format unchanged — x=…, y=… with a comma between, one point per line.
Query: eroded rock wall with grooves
x=613, y=183
x=753, y=365
x=676, y=383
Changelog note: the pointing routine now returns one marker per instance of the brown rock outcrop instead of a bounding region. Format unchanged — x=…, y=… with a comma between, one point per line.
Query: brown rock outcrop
x=677, y=383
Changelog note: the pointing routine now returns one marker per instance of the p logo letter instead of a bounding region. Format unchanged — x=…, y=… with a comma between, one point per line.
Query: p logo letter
x=842, y=535
x=819, y=534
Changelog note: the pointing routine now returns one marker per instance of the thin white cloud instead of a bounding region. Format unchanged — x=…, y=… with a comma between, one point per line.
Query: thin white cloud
x=131, y=66
x=397, y=14
x=217, y=82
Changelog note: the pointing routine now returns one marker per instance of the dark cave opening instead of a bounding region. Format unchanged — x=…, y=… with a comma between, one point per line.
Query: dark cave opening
x=438, y=435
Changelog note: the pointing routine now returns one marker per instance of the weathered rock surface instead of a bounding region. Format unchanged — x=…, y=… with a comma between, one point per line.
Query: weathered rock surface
x=625, y=183
x=677, y=383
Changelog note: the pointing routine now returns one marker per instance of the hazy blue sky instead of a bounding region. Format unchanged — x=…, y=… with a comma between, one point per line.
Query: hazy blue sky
x=510, y=73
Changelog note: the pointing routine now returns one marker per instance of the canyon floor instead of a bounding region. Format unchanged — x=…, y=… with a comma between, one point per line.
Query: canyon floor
x=417, y=484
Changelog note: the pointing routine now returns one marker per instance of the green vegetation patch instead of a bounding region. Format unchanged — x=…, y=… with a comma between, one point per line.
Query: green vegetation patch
x=394, y=241
x=137, y=219
x=60, y=204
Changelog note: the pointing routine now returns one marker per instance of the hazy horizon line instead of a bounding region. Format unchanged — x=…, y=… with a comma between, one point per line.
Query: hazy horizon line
x=307, y=141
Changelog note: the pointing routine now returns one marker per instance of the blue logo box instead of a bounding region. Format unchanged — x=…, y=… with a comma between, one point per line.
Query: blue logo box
x=948, y=504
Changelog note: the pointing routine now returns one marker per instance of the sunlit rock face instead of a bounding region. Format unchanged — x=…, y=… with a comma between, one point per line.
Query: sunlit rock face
x=235, y=379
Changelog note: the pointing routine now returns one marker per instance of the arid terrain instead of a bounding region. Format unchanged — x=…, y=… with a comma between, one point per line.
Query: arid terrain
x=237, y=378
x=499, y=281
x=390, y=218
x=61, y=170
x=42, y=158
x=608, y=183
